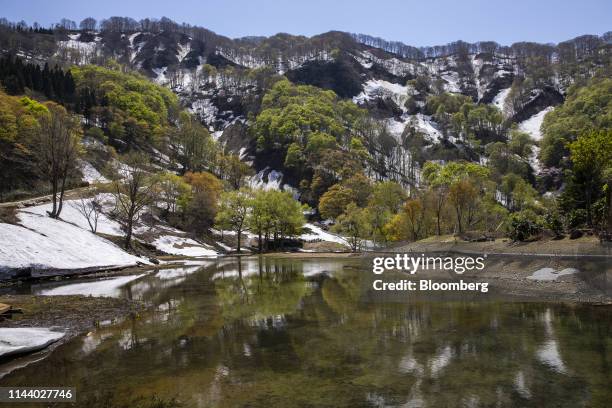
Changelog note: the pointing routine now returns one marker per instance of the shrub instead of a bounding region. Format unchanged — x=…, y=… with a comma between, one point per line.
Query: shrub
x=524, y=225
x=554, y=222
x=576, y=218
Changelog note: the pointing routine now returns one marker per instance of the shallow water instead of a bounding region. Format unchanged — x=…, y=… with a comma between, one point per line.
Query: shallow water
x=280, y=333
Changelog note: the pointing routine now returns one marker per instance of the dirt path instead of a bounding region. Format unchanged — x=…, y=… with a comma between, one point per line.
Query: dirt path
x=29, y=202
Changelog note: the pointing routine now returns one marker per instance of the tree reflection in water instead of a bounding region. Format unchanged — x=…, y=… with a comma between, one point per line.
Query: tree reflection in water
x=276, y=332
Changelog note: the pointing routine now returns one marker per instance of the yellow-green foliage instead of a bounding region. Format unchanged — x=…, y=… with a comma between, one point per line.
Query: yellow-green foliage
x=134, y=100
x=18, y=117
x=295, y=113
x=586, y=109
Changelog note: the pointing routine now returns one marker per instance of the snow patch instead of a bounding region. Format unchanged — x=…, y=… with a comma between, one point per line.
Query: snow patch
x=18, y=340
x=91, y=175
x=273, y=180
x=205, y=110
x=500, y=99
x=533, y=124
x=71, y=214
x=550, y=274
x=45, y=243
x=182, y=246
x=378, y=88
x=318, y=234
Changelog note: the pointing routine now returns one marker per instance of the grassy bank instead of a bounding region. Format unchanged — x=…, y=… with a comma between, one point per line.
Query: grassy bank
x=587, y=245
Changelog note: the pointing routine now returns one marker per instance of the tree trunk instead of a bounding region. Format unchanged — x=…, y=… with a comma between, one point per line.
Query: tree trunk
x=52, y=214
x=239, y=235
x=459, y=227
x=259, y=241
x=588, y=195
x=609, y=208
x=61, y=198
x=128, y=232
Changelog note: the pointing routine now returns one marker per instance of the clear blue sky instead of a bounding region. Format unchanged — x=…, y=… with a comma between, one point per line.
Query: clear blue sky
x=419, y=23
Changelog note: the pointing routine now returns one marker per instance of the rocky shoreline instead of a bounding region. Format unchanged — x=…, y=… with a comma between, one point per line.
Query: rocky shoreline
x=70, y=315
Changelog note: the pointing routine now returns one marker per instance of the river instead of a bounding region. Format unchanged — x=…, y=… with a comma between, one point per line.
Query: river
x=285, y=332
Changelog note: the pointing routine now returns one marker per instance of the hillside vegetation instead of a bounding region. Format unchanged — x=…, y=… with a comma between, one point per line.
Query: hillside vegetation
x=385, y=141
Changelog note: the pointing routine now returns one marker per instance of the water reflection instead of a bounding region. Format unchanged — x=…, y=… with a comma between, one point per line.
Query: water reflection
x=288, y=332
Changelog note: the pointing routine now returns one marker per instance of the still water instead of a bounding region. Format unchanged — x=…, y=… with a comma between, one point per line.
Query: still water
x=275, y=332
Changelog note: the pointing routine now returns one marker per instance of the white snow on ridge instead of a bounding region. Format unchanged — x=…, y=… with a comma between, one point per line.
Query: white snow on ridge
x=46, y=243
x=452, y=81
x=82, y=52
x=205, y=109
x=273, y=183
x=419, y=121
x=533, y=124
x=534, y=162
x=374, y=88
x=500, y=99
x=160, y=75
x=392, y=65
x=396, y=128
x=424, y=123
x=17, y=340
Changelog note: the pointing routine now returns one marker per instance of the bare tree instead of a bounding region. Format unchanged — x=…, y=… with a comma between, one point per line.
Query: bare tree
x=90, y=207
x=88, y=24
x=56, y=148
x=134, y=189
x=67, y=24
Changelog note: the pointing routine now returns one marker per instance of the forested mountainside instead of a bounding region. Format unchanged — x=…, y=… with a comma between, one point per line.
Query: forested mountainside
x=326, y=117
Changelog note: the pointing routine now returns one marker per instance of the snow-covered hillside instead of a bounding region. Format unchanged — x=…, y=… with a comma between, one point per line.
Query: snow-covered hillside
x=40, y=242
x=43, y=243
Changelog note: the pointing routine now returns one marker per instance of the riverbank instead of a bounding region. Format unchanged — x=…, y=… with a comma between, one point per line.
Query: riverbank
x=73, y=314
x=575, y=271
x=70, y=315
x=587, y=245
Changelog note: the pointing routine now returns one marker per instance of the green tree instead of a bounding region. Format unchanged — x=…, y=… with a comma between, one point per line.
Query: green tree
x=586, y=108
x=439, y=182
x=275, y=214
x=302, y=123
x=335, y=201
x=171, y=189
x=386, y=199
x=520, y=143
x=261, y=217
x=591, y=157
x=200, y=205
x=233, y=212
x=519, y=194
x=197, y=148
x=353, y=224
